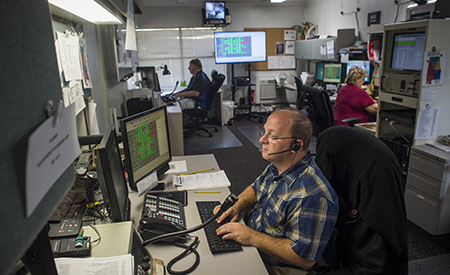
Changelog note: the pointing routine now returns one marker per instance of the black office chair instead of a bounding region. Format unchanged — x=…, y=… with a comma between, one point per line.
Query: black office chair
x=320, y=110
x=199, y=117
x=301, y=96
x=371, y=225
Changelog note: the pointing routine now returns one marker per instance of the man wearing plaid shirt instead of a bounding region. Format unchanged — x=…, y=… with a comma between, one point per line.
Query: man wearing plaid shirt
x=294, y=207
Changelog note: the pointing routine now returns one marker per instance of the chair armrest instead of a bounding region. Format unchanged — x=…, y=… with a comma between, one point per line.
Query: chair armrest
x=351, y=121
x=197, y=100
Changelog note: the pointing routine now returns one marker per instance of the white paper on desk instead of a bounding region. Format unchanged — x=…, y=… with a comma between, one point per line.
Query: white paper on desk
x=177, y=167
x=201, y=180
x=147, y=183
x=118, y=265
x=50, y=151
x=427, y=122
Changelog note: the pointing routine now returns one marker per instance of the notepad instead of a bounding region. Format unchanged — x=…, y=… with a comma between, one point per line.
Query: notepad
x=201, y=180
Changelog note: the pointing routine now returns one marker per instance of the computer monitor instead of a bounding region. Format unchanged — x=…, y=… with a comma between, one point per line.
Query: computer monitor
x=332, y=73
x=146, y=144
x=214, y=12
x=240, y=47
x=111, y=176
x=149, y=77
x=319, y=71
x=364, y=64
x=407, y=53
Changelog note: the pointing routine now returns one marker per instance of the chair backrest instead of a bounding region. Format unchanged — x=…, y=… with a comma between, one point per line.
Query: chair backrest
x=216, y=83
x=372, y=228
x=301, y=96
x=319, y=108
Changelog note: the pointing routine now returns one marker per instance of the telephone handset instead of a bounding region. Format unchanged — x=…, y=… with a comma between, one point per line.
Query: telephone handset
x=153, y=227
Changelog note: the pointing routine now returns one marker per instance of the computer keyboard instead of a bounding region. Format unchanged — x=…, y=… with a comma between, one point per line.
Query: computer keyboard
x=216, y=243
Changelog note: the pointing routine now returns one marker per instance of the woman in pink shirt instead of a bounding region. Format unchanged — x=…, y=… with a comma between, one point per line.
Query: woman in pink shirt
x=352, y=101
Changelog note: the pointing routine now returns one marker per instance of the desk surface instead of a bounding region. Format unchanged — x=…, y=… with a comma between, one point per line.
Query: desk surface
x=247, y=261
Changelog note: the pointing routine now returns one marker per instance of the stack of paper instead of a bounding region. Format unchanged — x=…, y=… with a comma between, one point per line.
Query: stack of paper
x=201, y=180
x=118, y=265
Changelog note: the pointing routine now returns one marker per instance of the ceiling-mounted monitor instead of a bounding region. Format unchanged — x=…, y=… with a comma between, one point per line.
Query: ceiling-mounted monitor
x=240, y=47
x=214, y=12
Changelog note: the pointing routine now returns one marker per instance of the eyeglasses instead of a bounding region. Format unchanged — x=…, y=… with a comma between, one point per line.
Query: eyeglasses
x=272, y=138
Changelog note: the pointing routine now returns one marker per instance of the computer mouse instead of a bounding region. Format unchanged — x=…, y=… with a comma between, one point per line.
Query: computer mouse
x=171, y=103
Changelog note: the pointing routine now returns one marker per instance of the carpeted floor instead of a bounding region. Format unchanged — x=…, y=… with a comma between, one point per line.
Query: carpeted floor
x=224, y=138
x=432, y=265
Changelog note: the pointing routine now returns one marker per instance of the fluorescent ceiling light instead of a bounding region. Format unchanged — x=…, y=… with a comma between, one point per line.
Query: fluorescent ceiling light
x=277, y=1
x=89, y=10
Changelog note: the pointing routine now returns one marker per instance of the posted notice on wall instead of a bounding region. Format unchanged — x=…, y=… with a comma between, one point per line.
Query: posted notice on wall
x=427, y=123
x=52, y=148
x=434, y=68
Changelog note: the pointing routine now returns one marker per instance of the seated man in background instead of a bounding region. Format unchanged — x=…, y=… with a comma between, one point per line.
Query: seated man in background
x=294, y=207
x=198, y=86
x=352, y=101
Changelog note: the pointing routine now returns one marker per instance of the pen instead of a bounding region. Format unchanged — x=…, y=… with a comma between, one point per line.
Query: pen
x=195, y=172
x=206, y=191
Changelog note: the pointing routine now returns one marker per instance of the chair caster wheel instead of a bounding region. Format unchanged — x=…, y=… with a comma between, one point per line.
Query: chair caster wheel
x=216, y=130
x=210, y=135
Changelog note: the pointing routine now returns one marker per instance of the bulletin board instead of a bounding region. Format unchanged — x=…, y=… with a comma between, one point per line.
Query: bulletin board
x=280, y=49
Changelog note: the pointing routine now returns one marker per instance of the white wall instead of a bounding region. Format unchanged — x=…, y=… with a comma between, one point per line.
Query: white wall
x=327, y=14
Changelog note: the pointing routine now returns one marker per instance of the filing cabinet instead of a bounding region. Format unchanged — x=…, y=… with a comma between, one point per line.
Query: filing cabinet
x=427, y=194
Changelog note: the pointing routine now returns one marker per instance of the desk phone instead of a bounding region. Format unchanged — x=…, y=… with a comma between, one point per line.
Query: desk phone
x=160, y=216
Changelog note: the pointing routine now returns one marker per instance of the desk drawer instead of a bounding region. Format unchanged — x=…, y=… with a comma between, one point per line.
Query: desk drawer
x=431, y=187
x=428, y=213
x=428, y=166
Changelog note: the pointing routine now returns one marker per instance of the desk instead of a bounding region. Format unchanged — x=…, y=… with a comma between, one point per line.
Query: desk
x=247, y=261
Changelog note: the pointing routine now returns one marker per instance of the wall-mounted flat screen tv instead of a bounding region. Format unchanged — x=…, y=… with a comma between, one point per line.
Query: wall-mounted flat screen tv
x=240, y=47
x=215, y=10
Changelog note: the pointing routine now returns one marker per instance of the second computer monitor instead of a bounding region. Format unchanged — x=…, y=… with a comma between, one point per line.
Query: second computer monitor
x=332, y=73
x=146, y=144
x=364, y=64
x=319, y=71
x=149, y=77
x=112, y=178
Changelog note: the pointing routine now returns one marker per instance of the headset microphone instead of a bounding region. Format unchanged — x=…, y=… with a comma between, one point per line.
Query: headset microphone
x=280, y=152
x=294, y=147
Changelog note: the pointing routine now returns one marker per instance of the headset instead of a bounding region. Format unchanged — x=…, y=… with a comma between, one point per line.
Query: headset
x=295, y=146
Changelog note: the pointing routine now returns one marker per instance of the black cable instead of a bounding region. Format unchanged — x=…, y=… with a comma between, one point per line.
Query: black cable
x=229, y=201
x=392, y=124
x=396, y=14
x=188, y=249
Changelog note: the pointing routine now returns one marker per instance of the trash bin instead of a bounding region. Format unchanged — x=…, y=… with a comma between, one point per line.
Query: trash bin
x=227, y=111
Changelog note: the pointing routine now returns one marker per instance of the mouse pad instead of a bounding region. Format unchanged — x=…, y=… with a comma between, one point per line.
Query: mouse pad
x=180, y=196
